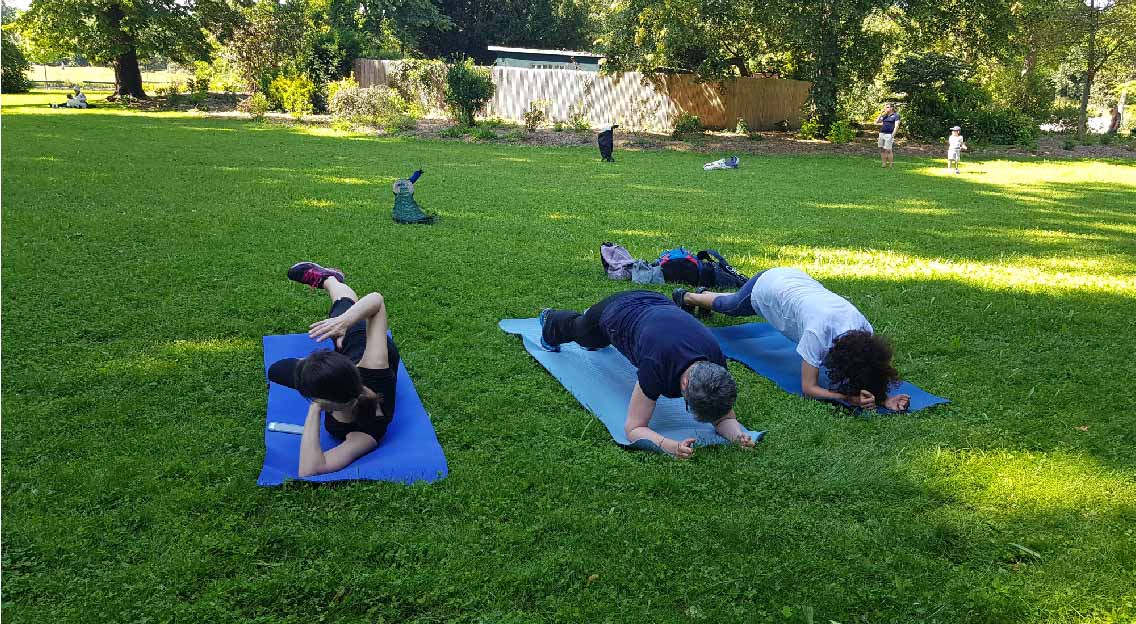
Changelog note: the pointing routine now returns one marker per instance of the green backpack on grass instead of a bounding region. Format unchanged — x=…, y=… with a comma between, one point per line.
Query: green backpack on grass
x=406, y=210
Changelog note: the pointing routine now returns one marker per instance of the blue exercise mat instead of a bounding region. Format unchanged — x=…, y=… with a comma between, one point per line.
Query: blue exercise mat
x=765, y=351
x=408, y=452
x=602, y=382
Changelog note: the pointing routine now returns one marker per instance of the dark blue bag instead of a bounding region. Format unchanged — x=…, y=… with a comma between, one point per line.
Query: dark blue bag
x=716, y=271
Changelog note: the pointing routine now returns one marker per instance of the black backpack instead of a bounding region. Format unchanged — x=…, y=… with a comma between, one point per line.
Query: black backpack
x=715, y=271
x=680, y=266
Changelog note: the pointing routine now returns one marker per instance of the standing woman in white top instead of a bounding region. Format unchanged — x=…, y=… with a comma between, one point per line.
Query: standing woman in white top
x=829, y=331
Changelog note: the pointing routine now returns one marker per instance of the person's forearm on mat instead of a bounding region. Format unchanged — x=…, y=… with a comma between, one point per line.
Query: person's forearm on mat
x=729, y=427
x=639, y=417
x=810, y=387
x=311, y=455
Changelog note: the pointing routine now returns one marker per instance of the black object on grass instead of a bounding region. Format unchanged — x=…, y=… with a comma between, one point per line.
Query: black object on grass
x=606, y=142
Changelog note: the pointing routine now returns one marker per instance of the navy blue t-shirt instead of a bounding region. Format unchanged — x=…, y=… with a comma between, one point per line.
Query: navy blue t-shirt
x=887, y=123
x=659, y=339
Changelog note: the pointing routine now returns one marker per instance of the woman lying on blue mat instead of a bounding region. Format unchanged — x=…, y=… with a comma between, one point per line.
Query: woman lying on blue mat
x=829, y=332
x=353, y=385
x=676, y=356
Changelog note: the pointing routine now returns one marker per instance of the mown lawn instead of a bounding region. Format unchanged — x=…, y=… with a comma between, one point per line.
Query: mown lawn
x=144, y=258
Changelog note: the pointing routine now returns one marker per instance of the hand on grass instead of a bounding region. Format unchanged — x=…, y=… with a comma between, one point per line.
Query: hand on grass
x=680, y=450
x=745, y=440
x=898, y=402
x=328, y=328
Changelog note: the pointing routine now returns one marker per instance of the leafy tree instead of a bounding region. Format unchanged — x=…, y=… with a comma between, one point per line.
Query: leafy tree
x=712, y=38
x=1106, y=37
x=120, y=32
x=15, y=66
x=473, y=25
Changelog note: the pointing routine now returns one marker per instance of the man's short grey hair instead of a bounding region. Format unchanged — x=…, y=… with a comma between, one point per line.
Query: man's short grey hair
x=710, y=391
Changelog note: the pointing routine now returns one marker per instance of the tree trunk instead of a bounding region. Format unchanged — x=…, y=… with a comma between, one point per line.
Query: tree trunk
x=1090, y=73
x=826, y=83
x=740, y=63
x=127, y=74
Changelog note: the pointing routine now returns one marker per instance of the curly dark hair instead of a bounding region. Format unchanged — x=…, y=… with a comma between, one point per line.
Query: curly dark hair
x=860, y=360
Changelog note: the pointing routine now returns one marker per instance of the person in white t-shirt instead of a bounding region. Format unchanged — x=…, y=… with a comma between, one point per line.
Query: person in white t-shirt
x=955, y=147
x=829, y=331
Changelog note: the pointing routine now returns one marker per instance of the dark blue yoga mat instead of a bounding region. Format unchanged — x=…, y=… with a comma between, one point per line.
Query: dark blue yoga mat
x=409, y=452
x=602, y=382
x=765, y=351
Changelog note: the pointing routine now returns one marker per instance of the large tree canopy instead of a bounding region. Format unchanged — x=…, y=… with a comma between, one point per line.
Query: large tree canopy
x=712, y=38
x=477, y=24
x=119, y=32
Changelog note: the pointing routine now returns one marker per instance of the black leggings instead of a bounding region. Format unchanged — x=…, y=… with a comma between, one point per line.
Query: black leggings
x=562, y=326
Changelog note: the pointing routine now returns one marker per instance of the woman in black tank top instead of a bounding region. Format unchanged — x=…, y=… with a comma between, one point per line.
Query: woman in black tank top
x=354, y=385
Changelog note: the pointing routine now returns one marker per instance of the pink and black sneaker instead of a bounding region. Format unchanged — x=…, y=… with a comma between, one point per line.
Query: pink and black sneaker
x=312, y=274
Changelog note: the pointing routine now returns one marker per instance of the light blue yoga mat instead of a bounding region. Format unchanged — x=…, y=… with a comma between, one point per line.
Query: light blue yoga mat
x=408, y=452
x=765, y=351
x=602, y=382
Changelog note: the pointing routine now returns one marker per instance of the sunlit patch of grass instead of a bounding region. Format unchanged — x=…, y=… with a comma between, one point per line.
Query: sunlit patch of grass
x=1015, y=273
x=214, y=346
x=1004, y=483
x=651, y=234
x=343, y=180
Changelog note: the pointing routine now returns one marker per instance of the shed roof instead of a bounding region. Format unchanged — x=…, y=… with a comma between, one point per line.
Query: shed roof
x=535, y=51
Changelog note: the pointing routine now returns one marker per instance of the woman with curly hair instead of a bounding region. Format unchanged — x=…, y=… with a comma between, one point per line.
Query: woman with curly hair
x=829, y=331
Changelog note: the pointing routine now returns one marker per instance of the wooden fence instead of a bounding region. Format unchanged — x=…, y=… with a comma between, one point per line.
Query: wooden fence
x=633, y=100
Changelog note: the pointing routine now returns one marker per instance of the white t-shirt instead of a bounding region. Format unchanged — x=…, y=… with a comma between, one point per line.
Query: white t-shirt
x=954, y=142
x=804, y=311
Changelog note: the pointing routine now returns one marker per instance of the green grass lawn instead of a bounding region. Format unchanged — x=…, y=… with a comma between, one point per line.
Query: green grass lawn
x=144, y=258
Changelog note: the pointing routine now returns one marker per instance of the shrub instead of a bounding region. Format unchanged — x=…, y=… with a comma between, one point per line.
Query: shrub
x=841, y=132
x=686, y=123
x=578, y=120
x=483, y=133
x=256, y=105
x=422, y=82
x=1106, y=139
x=455, y=131
x=202, y=76
x=515, y=135
x=468, y=88
x=1064, y=118
x=1004, y=127
x=535, y=114
x=558, y=126
x=198, y=99
x=343, y=83
x=294, y=94
x=13, y=67
x=742, y=127
x=754, y=136
x=173, y=88
x=1069, y=145
x=379, y=107
x=810, y=128
x=495, y=122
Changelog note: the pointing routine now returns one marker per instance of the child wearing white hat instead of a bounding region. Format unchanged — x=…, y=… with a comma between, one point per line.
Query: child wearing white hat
x=955, y=145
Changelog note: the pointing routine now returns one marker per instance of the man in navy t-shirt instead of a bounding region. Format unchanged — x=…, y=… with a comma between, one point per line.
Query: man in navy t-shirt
x=676, y=356
x=889, y=124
